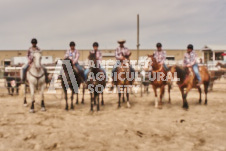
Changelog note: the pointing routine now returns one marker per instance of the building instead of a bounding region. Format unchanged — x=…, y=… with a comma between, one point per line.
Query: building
x=212, y=53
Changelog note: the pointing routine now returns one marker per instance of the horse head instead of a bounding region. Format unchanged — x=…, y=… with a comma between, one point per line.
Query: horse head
x=37, y=57
x=94, y=64
x=153, y=62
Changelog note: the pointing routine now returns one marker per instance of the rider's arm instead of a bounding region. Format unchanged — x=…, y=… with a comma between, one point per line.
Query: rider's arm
x=99, y=56
x=185, y=60
x=118, y=55
x=127, y=52
x=76, y=57
x=29, y=55
x=193, y=58
x=163, y=57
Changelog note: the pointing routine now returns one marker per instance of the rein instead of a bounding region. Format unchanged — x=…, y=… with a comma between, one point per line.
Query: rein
x=37, y=77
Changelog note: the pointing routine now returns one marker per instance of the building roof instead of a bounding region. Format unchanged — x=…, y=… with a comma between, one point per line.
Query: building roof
x=214, y=47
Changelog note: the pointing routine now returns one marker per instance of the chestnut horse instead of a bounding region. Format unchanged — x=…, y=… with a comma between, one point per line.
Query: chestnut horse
x=159, y=71
x=187, y=80
x=124, y=80
x=96, y=82
x=71, y=79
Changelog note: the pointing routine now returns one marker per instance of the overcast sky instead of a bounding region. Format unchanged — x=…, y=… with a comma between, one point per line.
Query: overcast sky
x=55, y=23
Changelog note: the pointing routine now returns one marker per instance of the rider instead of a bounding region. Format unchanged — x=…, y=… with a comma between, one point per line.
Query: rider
x=160, y=55
x=119, y=53
x=73, y=54
x=190, y=61
x=33, y=48
x=98, y=57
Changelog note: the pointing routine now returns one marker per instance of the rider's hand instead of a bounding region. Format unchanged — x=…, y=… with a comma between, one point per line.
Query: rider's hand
x=188, y=65
x=121, y=58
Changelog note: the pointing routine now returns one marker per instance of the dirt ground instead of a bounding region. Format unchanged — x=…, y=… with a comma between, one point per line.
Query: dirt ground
x=142, y=127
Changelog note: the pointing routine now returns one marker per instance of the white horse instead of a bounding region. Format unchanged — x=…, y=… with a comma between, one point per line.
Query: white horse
x=36, y=79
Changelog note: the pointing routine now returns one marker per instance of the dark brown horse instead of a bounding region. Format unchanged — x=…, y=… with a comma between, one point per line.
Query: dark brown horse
x=124, y=80
x=187, y=80
x=96, y=82
x=71, y=79
x=157, y=82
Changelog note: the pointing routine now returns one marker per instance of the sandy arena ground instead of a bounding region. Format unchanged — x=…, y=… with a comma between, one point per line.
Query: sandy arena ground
x=142, y=127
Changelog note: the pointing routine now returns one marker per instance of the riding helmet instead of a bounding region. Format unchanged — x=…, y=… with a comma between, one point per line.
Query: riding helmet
x=95, y=44
x=190, y=46
x=158, y=45
x=72, y=43
x=34, y=41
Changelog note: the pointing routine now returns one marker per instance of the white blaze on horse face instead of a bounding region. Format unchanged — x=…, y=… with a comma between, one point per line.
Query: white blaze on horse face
x=37, y=60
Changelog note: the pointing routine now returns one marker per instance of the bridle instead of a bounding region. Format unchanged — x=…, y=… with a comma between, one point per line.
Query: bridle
x=37, y=77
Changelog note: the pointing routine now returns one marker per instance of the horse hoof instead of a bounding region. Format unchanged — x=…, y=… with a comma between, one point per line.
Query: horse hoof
x=25, y=105
x=43, y=109
x=159, y=107
x=185, y=107
x=77, y=102
x=66, y=108
x=32, y=111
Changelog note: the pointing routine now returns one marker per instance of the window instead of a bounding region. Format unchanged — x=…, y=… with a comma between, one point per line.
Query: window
x=219, y=56
x=170, y=58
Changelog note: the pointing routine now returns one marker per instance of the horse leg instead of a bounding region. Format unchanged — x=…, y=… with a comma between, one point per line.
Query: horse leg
x=42, y=96
x=65, y=95
x=206, y=91
x=77, y=99
x=200, y=95
x=119, y=97
x=102, y=98
x=169, y=87
x=12, y=91
x=98, y=104
x=156, y=96
x=72, y=98
x=183, y=97
x=94, y=101
x=17, y=90
x=91, y=101
x=83, y=92
x=185, y=105
x=32, y=89
x=8, y=90
x=127, y=95
x=162, y=90
x=123, y=97
x=25, y=98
